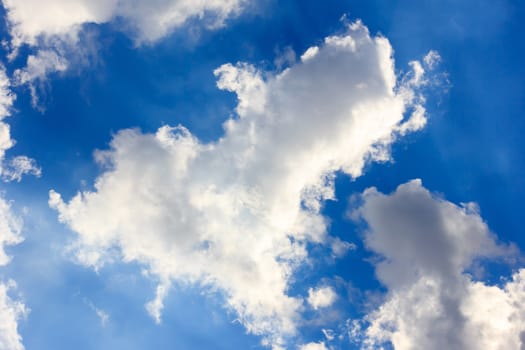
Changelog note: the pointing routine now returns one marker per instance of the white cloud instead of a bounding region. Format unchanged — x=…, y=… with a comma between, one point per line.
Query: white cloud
x=156, y=306
x=39, y=66
x=329, y=334
x=10, y=230
x=340, y=248
x=101, y=314
x=37, y=69
x=20, y=166
x=6, y=102
x=235, y=215
x=309, y=53
x=432, y=58
x=313, y=346
x=10, y=312
x=149, y=21
x=55, y=29
x=426, y=245
x=10, y=225
x=321, y=297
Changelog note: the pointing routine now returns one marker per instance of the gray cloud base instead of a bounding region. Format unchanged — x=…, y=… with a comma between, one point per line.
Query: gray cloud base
x=426, y=244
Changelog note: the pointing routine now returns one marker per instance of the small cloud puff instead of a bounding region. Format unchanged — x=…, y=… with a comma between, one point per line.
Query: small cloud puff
x=321, y=297
x=313, y=346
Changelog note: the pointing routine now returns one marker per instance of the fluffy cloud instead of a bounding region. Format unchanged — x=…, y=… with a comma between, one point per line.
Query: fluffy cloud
x=10, y=312
x=235, y=215
x=148, y=21
x=321, y=297
x=313, y=346
x=6, y=102
x=426, y=245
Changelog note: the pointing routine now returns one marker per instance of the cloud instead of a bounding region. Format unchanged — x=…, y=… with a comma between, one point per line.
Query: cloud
x=36, y=71
x=10, y=312
x=18, y=166
x=101, y=314
x=313, y=346
x=56, y=29
x=10, y=225
x=235, y=215
x=156, y=306
x=340, y=248
x=10, y=230
x=6, y=102
x=321, y=297
x=31, y=20
x=426, y=247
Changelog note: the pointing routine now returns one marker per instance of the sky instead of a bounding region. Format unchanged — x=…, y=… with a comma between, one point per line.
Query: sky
x=241, y=174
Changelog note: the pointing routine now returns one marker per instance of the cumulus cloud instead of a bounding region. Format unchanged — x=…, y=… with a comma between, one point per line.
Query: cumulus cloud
x=10, y=312
x=426, y=246
x=31, y=20
x=313, y=346
x=321, y=297
x=235, y=215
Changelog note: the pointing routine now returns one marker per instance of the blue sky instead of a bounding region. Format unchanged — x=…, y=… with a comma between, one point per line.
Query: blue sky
x=237, y=174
